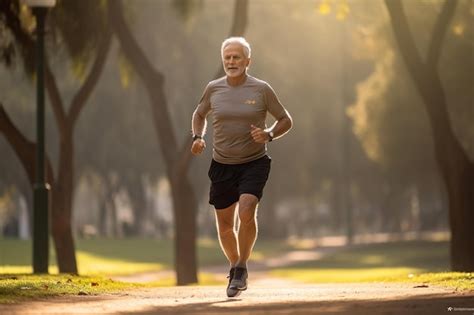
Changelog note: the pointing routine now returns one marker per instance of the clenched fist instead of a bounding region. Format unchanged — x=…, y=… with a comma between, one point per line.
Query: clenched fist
x=259, y=135
x=198, y=146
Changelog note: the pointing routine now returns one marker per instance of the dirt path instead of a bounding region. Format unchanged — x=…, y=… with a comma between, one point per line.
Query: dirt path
x=375, y=298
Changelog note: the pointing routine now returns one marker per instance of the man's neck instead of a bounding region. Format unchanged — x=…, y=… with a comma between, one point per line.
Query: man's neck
x=236, y=81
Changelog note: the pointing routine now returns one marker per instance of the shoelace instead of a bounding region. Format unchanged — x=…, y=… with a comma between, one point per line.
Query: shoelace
x=231, y=273
x=239, y=272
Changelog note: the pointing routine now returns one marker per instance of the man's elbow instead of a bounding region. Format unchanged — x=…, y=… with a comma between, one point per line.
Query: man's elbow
x=289, y=121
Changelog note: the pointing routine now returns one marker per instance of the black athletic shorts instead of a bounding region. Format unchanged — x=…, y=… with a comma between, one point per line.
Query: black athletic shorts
x=229, y=181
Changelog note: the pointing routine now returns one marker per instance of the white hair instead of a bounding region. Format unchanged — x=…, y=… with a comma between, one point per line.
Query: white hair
x=237, y=40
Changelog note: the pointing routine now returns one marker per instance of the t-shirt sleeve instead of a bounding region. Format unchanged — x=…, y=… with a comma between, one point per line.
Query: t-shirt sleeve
x=273, y=104
x=204, y=106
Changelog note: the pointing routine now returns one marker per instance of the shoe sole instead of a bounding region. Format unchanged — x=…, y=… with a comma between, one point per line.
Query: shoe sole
x=233, y=293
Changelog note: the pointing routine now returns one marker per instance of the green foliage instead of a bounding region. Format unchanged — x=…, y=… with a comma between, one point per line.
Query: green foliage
x=76, y=26
x=389, y=116
x=15, y=25
x=186, y=8
x=340, y=8
x=80, y=24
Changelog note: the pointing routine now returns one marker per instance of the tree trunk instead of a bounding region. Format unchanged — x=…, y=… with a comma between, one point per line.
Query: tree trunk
x=61, y=211
x=102, y=224
x=456, y=169
x=136, y=192
x=185, y=210
x=393, y=207
x=184, y=205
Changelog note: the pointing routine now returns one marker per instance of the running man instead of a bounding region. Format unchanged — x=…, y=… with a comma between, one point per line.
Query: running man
x=240, y=166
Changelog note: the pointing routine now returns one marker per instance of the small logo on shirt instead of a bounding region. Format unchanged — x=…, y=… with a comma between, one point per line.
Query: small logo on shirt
x=250, y=102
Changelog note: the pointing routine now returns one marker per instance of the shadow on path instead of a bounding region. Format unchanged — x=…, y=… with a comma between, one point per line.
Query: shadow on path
x=429, y=304
x=369, y=298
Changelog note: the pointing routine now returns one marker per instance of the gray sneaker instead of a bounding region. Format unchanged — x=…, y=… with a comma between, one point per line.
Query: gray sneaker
x=231, y=292
x=239, y=281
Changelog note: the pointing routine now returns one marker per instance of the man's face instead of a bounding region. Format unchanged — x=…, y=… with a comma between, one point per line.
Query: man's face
x=234, y=60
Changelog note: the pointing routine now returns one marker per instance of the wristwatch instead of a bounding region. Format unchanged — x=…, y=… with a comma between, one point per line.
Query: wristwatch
x=270, y=136
x=195, y=137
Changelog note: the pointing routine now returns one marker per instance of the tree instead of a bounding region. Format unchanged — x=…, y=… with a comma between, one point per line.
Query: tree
x=177, y=159
x=457, y=170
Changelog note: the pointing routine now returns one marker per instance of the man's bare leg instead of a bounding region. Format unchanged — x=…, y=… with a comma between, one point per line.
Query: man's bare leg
x=227, y=235
x=248, y=227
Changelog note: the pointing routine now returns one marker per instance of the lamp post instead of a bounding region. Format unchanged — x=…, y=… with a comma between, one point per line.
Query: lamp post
x=41, y=188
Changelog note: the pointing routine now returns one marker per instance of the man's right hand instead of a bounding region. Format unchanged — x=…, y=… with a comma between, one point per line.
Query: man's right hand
x=198, y=146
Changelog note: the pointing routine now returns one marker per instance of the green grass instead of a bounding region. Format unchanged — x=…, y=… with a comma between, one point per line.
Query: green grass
x=375, y=262
x=16, y=288
x=410, y=261
x=462, y=281
x=111, y=257
x=126, y=256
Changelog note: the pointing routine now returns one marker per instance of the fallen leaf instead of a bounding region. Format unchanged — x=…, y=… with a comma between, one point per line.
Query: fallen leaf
x=421, y=286
x=82, y=293
x=94, y=284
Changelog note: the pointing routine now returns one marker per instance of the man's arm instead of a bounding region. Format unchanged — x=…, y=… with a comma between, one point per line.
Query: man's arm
x=279, y=129
x=199, y=124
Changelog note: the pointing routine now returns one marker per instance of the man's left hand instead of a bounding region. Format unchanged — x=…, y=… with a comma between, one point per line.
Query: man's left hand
x=259, y=135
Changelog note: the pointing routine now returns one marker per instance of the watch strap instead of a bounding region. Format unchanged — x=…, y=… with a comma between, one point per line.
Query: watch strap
x=195, y=137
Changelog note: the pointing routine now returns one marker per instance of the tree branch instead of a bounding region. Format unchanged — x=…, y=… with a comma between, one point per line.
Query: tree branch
x=132, y=48
x=439, y=32
x=54, y=96
x=86, y=89
x=404, y=38
x=152, y=79
x=24, y=148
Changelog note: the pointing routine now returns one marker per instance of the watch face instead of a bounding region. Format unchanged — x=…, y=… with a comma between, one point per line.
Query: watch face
x=271, y=134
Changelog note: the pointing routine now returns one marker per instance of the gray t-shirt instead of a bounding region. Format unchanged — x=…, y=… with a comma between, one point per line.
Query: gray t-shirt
x=234, y=109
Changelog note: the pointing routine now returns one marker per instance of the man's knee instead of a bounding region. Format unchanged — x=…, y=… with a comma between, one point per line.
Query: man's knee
x=225, y=229
x=247, y=209
x=225, y=224
x=248, y=201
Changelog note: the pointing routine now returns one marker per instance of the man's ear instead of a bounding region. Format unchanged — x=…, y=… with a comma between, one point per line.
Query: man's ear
x=249, y=61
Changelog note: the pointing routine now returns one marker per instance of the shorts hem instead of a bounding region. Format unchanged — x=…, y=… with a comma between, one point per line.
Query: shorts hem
x=225, y=206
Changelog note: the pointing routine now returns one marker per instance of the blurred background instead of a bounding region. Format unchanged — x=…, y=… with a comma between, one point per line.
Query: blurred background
x=359, y=160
